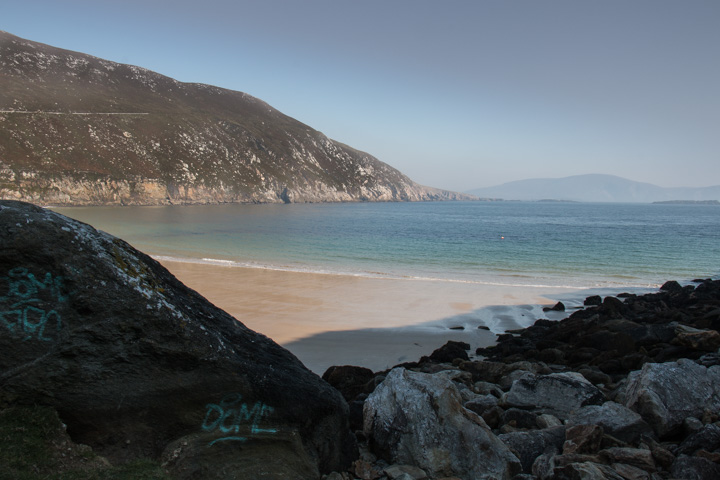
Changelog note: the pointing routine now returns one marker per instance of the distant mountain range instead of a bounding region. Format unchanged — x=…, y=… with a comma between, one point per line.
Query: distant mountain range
x=594, y=188
x=76, y=129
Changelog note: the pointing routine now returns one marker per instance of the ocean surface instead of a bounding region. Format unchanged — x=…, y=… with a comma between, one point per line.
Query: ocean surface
x=553, y=244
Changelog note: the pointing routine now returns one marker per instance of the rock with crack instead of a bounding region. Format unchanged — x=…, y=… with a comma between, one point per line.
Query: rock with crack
x=561, y=394
x=665, y=394
x=418, y=419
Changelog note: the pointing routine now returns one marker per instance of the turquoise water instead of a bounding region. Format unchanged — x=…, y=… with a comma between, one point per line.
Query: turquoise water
x=513, y=243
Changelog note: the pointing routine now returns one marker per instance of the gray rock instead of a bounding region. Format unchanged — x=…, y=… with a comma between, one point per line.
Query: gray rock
x=586, y=471
x=637, y=457
x=494, y=372
x=582, y=439
x=544, y=466
x=480, y=403
x=394, y=472
x=507, y=381
x=628, y=472
x=695, y=468
x=667, y=393
x=615, y=419
x=518, y=418
x=546, y=421
x=662, y=456
x=558, y=393
x=492, y=416
x=334, y=476
x=134, y=361
x=708, y=340
x=528, y=446
x=418, y=419
x=692, y=425
x=707, y=438
x=404, y=476
x=487, y=388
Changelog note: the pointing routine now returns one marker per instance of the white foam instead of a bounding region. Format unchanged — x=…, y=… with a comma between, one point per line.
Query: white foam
x=384, y=275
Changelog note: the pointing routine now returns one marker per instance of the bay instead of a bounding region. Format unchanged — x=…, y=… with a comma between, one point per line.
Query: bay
x=550, y=244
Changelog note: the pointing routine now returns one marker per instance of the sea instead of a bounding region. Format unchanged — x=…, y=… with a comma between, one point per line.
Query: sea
x=551, y=244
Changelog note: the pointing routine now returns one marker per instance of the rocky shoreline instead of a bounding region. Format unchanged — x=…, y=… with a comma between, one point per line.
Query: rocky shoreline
x=626, y=388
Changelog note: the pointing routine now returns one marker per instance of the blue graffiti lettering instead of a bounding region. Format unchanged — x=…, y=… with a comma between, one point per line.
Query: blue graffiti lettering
x=231, y=416
x=24, y=296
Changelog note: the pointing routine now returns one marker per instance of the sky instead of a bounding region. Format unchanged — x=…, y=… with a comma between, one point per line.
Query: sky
x=457, y=94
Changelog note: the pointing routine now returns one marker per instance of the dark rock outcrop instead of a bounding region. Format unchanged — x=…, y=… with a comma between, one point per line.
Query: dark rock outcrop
x=138, y=365
x=450, y=351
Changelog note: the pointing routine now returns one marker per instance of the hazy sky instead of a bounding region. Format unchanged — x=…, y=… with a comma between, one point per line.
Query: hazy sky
x=456, y=94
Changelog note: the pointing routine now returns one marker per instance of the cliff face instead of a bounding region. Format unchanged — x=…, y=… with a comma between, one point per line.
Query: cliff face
x=76, y=129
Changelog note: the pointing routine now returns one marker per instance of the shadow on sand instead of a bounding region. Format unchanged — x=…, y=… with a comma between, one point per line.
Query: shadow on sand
x=382, y=348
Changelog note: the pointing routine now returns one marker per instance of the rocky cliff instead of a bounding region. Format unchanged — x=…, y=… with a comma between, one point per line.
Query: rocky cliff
x=79, y=130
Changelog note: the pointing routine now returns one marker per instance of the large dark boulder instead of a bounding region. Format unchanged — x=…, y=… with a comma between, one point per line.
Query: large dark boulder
x=349, y=380
x=136, y=363
x=450, y=351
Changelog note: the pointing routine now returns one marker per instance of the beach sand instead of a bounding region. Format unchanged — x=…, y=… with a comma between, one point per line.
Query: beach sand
x=377, y=323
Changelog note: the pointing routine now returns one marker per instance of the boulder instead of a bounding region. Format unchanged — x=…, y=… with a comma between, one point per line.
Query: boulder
x=546, y=421
x=671, y=286
x=643, y=334
x=518, y=418
x=697, y=339
x=593, y=300
x=667, y=393
x=529, y=445
x=481, y=403
x=136, y=363
x=612, y=307
x=558, y=307
x=582, y=439
x=349, y=380
x=695, y=468
x=637, y=457
x=586, y=471
x=615, y=419
x=450, y=351
x=418, y=419
x=490, y=372
x=558, y=393
x=628, y=472
x=706, y=438
x=395, y=472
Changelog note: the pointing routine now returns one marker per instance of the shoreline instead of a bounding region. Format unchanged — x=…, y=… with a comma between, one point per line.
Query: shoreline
x=330, y=319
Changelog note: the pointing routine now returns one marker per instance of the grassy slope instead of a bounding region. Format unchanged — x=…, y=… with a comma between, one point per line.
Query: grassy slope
x=34, y=445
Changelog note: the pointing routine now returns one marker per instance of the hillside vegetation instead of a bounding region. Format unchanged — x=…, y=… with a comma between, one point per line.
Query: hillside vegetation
x=76, y=129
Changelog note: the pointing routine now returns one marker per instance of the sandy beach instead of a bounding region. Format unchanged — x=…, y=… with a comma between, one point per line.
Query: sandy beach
x=330, y=320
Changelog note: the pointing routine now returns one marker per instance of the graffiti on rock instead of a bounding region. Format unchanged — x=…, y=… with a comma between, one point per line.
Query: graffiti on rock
x=24, y=300
x=235, y=418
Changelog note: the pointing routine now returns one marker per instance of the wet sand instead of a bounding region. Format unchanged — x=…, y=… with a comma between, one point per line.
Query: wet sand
x=330, y=320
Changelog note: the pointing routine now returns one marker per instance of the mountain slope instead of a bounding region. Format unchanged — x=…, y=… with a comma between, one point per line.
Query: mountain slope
x=76, y=129
x=594, y=188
